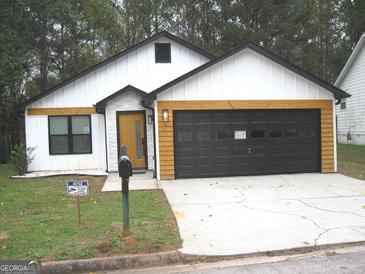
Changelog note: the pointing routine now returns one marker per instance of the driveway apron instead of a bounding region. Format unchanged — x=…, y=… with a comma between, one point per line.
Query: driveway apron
x=236, y=215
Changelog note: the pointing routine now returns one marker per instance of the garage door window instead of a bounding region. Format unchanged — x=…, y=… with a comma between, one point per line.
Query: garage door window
x=203, y=136
x=258, y=133
x=224, y=134
x=309, y=133
x=275, y=133
x=290, y=133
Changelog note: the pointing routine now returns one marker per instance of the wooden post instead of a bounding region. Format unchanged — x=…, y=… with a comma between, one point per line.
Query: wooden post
x=78, y=212
x=78, y=206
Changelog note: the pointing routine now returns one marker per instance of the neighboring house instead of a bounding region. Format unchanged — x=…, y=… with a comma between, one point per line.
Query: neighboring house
x=351, y=112
x=184, y=113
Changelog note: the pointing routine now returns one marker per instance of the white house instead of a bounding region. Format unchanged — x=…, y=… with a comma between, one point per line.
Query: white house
x=184, y=113
x=351, y=112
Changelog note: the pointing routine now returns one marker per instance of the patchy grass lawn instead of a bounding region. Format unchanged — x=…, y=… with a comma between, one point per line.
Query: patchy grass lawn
x=38, y=221
x=351, y=160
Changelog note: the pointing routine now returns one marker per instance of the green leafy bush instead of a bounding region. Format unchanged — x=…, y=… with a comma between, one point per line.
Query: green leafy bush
x=21, y=157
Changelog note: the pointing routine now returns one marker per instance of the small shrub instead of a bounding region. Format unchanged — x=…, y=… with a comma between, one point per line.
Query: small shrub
x=21, y=157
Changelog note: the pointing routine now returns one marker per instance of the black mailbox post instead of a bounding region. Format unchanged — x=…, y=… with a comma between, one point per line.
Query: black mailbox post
x=125, y=171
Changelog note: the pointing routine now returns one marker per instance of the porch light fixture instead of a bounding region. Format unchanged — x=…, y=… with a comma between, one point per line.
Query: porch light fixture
x=165, y=115
x=150, y=119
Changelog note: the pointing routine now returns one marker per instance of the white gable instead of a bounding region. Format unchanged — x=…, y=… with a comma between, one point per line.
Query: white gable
x=137, y=68
x=352, y=80
x=247, y=75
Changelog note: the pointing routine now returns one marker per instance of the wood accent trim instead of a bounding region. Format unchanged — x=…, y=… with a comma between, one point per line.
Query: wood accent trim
x=166, y=137
x=61, y=111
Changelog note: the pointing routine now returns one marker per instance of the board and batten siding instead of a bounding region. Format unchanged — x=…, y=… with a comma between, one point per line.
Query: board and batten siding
x=37, y=137
x=245, y=80
x=354, y=114
x=166, y=133
x=137, y=68
x=246, y=75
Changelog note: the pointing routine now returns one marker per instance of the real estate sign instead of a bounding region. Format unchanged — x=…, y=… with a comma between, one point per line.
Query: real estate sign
x=78, y=188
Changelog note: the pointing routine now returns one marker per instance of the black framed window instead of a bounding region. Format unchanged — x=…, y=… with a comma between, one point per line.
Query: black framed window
x=69, y=134
x=163, y=53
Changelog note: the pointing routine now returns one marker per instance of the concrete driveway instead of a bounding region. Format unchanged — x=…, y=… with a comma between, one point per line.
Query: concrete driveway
x=223, y=216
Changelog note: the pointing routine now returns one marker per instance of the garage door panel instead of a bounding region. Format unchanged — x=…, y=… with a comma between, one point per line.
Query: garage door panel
x=185, y=161
x=275, y=149
x=310, y=148
x=309, y=142
x=185, y=171
x=240, y=150
x=243, y=142
x=240, y=119
x=292, y=116
x=258, y=151
x=222, y=160
x=204, y=135
x=239, y=166
x=257, y=117
x=292, y=149
x=202, y=152
x=274, y=117
x=240, y=159
x=184, y=118
x=202, y=161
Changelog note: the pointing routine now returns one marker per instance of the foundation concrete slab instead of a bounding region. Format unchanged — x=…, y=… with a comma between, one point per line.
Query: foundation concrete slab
x=225, y=216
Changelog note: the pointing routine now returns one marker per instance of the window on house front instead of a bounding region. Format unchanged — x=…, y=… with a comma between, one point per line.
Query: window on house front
x=69, y=134
x=162, y=53
x=343, y=104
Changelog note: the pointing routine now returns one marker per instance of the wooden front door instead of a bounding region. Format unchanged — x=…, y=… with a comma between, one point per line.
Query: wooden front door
x=132, y=134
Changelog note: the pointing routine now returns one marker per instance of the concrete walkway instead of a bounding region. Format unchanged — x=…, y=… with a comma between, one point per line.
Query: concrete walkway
x=224, y=216
x=136, y=182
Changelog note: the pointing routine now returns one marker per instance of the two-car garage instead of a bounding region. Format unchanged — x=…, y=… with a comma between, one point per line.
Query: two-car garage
x=248, y=112
x=246, y=142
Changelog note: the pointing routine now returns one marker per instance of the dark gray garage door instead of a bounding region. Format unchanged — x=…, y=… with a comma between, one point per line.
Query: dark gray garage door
x=241, y=142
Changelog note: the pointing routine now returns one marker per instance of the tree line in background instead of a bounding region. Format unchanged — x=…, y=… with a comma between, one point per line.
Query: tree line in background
x=44, y=42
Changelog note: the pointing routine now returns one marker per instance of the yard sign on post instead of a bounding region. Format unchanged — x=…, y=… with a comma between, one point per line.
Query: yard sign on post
x=77, y=189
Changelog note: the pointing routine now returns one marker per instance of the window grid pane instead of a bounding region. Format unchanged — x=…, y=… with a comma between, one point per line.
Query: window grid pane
x=77, y=140
x=58, y=125
x=81, y=143
x=59, y=144
x=80, y=125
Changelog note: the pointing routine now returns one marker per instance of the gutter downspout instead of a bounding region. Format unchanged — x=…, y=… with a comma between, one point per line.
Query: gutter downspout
x=106, y=145
x=154, y=137
x=105, y=137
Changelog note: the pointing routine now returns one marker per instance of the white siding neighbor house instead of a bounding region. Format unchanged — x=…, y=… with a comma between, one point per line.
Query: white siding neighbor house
x=351, y=112
x=184, y=113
